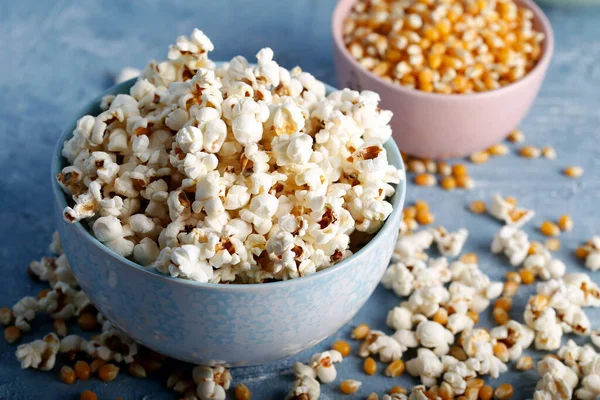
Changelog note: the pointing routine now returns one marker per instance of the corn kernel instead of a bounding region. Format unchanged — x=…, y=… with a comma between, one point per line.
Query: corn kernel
x=581, y=252
x=479, y=157
x=343, y=347
x=444, y=169
x=395, y=368
x=242, y=392
x=476, y=383
x=573, y=171
x=425, y=179
x=458, y=353
x=82, y=370
x=465, y=182
x=486, y=393
x=108, y=372
x=448, y=183
x=500, y=316
x=425, y=218
x=524, y=363
x=504, y=303
x=349, y=386
x=67, y=375
x=96, y=364
x=503, y=391
x=60, y=327
x=552, y=244
x=445, y=392
x=565, y=223
x=469, y=258
x=136, y=370
x=516, y=136
x=373, y=396
x=501, y=351
x=473, y=315
x=361, y=332
x=370, y=366
x=478, y=207
x=6, y=315
x=416, y=166
x=527, y=276
x=510, y=289
x=549, y=228
x=441, y=316
x=549, y=153
x=87, y=321
x=498, y=149
x=513, y=276
x=88, y=395
x=530, y=152
x=12, y=334
x=459, y=170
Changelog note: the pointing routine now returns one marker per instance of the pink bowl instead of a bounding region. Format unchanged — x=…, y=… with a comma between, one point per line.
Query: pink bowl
x=436, y=125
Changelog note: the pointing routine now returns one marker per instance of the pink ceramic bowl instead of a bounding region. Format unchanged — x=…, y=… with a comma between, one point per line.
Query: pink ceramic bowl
x=441, y=126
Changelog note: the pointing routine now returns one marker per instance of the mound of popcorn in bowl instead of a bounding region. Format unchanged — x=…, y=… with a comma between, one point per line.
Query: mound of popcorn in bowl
x=231, y=173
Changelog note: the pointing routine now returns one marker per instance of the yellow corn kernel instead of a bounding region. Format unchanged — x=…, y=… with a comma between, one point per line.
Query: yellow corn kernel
x=527, y=276
x=500, y=316
x=469, y=258
x=343, y=347
x=478, y=207
x=486, y=393
x=479, y=157
x=398, y=390
x=441, y=316
x=370, y=366
x=361, y=332
x=448, y=183
x=530, y=152
x=573, y=171
x=498, y=149
x=242, y=392
x=503, y=392
x=349, y=386
x=565, y=223
x=395, y=368
x=12, y=334
x=504, y=303
x=549, y=228
x=524, y=363
x=425, y=179
x=510, y=289
x=516, y=136
x=67, y=375
x=552, y=244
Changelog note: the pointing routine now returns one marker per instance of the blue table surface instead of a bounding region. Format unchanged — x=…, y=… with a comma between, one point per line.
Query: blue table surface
x=57, y=55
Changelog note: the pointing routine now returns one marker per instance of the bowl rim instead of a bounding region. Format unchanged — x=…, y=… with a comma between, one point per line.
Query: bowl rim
x=539, y=68
x=123, y=87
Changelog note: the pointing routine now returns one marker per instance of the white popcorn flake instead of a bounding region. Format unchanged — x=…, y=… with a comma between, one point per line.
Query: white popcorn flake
x=450, y=244
x=513, y=242
x=212, y=382
x=323, y=364
x=305, y=388
x=39, y=354
x=508, y=212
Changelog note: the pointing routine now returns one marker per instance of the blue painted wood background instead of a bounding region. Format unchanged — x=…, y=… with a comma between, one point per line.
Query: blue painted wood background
x=57, y=55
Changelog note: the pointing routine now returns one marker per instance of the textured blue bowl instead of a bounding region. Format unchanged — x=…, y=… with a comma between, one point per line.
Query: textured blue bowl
x=209, y=323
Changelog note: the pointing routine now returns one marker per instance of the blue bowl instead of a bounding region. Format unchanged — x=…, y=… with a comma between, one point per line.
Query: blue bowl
x=205, y=323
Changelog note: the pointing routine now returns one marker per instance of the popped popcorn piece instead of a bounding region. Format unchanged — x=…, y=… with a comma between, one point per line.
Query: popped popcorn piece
x=544, y=266
x=411, y=247
x=450, y=244
x=513, y=243
x=434, y=336
x=322, y=363
x=39, y=354
x=558, y=381
x=427, y=366
x=24, y=311
x=212, y=382
x=515, y=336
x=508, y=212
x=304, y=388
x=591, y=249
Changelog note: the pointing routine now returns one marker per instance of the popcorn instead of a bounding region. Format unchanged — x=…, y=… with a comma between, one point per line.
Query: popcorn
x=39, y=354
x=509, y=212
x=515, y=336
x=558, y=380
x=591, y=250
x=450, y=244
x=322, y=363
x=24, y=311
x=411, y=247
x=212, y=382
x=434, y=336
x=544, y=266
x=193, y=147
x=513, y=243
x=304, y=388
x=427, y=366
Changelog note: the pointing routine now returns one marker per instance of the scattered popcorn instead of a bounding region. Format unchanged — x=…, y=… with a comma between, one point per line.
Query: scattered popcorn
x=515, y=336
x=558, y=381
x=591, y=249
x=304, y=388
x=508, y=212
x=544, y=266
x=39, y=354
x=233, y=173
x=513, y=243
x=450, y=244
x=427, y=366
x=322, y=363
x=212, y=382
x=411, y=247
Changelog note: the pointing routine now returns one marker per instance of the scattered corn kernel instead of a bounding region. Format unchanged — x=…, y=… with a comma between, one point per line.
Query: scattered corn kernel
x=476, y=383
x=512, y=276
x=504, y=303
x=370, y=366
x=524, y=363
x=6, y=316
x=549, y=153
x=373, y=396
x=395, y=368
x=430, y=166
x=486, y=393
x=501, y=351
x=565, y=223
x=549, y=228
x=479, y=157
x=441, y=316
x=416, y=166
x=67, y=375
x=12, y=334
x=465, y=182
x=87, y=321
x=425, y=179
x=510, y=288
x=88, y=395
x=459, y=170
x=498, y=149
x=108, y=372
x=473, y=315
x=500, y=316
x=444, y=169
x=529, y=151
x=448, y=183
x=516, y=136
x=349, y=386
x=503, y=391
x=552, y=244
x=136, y=370
x=573, y=171
x=458, y=353
x=96, y=364
x=361, y=331
x=82, y=370
x=60, y=327
x=343, y=347
x=478, y=207
x=242, y=392
x=445, y=391
x=582, y=252
x=527, y=276
x=425, y=218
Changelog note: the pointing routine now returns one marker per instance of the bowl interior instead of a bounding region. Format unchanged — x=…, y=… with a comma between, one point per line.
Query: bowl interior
x=93, y=108
x=540, y=23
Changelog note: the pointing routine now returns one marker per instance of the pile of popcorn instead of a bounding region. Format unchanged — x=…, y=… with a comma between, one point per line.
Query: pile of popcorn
x=238, y=173
x=444, y=46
